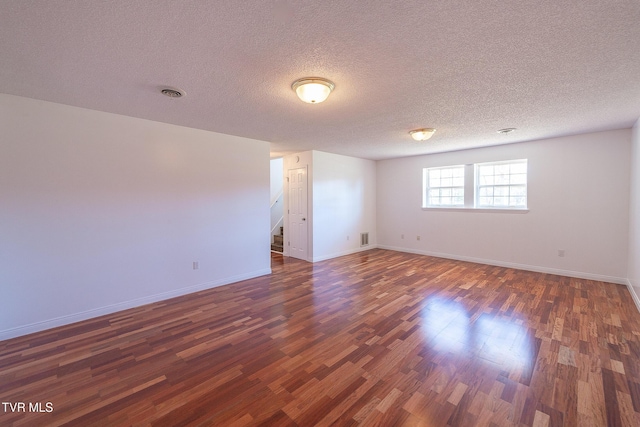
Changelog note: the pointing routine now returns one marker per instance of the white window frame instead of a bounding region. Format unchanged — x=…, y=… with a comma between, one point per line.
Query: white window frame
x=471, y=190
x=504, y=185
x=427, y=188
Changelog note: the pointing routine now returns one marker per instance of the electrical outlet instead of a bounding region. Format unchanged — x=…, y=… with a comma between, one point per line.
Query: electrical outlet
x=195, y=265
x=347, y=237
x=561, y=253
x=417, y=237
x=402, y=236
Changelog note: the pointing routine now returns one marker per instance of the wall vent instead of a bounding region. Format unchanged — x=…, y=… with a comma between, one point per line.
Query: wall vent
x=364, y=239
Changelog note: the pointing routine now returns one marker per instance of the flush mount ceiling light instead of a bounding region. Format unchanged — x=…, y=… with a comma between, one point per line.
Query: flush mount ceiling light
x=506, y=130
x=313, y=90
x=422, y=134
x=172, y=92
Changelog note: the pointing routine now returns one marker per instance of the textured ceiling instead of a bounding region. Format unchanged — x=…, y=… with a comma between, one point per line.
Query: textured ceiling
x=466, y=67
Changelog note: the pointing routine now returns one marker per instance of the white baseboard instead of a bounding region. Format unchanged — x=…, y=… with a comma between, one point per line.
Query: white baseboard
x=343, y=253
x=634, y=294
x=537, y=269
x=113, y=308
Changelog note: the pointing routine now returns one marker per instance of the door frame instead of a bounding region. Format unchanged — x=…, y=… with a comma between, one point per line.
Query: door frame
x=307, y=255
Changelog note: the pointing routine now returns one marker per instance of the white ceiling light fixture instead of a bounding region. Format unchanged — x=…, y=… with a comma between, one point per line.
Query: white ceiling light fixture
x=506, y=130
x=313, y=90
x=422, y=134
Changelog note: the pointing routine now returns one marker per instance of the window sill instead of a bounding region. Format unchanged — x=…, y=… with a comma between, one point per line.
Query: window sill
x=477, y=210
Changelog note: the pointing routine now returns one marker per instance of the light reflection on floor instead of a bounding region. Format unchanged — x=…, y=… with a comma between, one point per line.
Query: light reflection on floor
x=449, y=327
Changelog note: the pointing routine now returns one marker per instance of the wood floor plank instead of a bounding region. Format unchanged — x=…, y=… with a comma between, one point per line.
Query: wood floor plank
x=374, y=338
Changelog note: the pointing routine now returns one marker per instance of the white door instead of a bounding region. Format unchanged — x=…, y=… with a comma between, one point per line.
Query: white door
x=298, y=213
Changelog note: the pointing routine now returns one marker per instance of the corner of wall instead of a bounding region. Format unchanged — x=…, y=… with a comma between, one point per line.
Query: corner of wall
x=633, y=264
x=635, y=294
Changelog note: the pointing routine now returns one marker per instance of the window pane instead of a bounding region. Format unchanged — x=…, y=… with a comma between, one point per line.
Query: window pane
x=486, y=180
x=518, y=179
x=486, y=170
x=445, y=186
x=502, y=179
x=502, y=184
x=519, y=168
x=518, y=201
x=502, y=169
x=500, y=191
x=517, y=190
x=486, y=191
x=500, y=201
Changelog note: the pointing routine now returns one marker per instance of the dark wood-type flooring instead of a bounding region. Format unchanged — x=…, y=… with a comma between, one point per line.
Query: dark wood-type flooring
x=375, y=338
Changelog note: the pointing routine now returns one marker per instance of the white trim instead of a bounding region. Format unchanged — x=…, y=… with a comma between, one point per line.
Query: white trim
x=477, y=185
x=634, y=295
x=280, y=194
x=537, y=269
x=113, y=308
x=426, y=184
x=472, y=209
x=343, y=253
x=280, y=223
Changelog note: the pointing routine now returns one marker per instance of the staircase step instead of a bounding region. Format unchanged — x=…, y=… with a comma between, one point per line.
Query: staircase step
x=277, y=240
x=277, y=248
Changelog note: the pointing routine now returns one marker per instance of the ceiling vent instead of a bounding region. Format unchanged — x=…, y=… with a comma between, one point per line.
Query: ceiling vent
x=172, y=93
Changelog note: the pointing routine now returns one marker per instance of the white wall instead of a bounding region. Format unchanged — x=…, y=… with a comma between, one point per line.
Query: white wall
x=341, y=202
x=277, y=196
x=344, y=204
x=634, y=217
x=276, y=176
x=578, y=196
x=101, y=212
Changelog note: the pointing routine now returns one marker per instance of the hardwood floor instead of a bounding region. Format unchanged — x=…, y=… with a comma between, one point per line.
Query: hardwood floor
x=375, y=338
